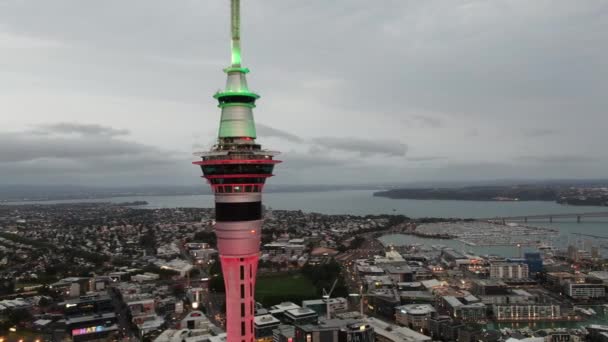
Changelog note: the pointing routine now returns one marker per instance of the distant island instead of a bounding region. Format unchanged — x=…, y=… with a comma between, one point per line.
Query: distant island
x=597, y=196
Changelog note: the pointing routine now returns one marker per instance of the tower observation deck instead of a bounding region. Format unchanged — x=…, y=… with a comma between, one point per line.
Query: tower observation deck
x=237, y=168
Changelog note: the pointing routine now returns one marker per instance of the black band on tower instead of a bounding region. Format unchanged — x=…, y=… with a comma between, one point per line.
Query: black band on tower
x=243, y=211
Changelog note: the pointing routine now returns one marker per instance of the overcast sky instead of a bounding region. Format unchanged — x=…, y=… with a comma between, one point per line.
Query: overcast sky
x=118, y=92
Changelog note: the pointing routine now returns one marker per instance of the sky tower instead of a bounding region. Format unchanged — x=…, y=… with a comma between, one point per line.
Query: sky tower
x=237, y=168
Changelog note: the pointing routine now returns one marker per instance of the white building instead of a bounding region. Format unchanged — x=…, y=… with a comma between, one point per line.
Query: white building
x=507, y=270
x=414, y=316
x=526, y=312
x=584, y=290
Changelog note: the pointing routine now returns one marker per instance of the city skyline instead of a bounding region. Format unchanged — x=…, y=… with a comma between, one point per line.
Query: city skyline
x=439, y=91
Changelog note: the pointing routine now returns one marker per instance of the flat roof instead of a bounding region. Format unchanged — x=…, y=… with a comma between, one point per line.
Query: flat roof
x=265, y=320
x=416, y=309
x=283, y=306
x=452, y=301
x=82, y=319
x=394, y=332
x=301, y=312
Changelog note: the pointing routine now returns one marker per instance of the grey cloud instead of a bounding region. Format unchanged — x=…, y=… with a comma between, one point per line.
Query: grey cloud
x=391, y=148
x=15, y=147
x=78, y=128
x=476, y=67
x=93, y=155
x=539, y=132
x=557, y=159
x=349, y=144
x=297, y=161
x=426, y=158
x=267, y=131
x=427, y=121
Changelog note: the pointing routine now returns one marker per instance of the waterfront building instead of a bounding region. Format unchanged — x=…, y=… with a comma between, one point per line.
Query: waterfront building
x=515, y=296
x=559, y=278
x=534, y=260
x=415, y=316
x=464, y=311
x=584, y=290
x=598, y=276
x=507, y=270
x=598, y=332
x=489, y=287
x=237, y=168
x=526, y=312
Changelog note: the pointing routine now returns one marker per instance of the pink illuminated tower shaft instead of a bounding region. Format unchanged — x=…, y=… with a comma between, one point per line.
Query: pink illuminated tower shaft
x=237, y=168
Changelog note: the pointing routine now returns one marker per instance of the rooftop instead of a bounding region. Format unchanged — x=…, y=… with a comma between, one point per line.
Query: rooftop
x=416, y=309
x=265, y=320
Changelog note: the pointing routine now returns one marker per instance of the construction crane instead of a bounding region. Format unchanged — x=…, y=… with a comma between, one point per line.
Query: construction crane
x=327, y=295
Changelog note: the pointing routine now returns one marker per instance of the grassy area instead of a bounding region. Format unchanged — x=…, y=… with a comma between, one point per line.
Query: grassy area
x=277, y=288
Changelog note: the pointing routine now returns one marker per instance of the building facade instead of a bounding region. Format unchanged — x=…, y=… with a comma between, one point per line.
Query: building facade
x=532, y=312
x=507, y=270
x=415, y=316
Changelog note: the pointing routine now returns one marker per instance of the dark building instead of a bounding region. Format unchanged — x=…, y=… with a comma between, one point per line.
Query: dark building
x=92, y=327
x=443, y=328
x=301, y=316
x=7, y=286
x=534, y=262
x=335, y=330
x=384, y=306
x=489, y=287
x=87, y=305
x=264, y=326
x=90, y=317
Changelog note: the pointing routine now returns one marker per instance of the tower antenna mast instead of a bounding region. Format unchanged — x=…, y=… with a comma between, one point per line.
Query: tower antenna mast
x=235, y=28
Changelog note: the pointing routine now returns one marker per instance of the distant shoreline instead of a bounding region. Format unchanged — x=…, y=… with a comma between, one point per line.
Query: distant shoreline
x=563, y=196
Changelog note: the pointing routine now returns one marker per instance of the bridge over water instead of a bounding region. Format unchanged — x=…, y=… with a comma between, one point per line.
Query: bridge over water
x=550, y=217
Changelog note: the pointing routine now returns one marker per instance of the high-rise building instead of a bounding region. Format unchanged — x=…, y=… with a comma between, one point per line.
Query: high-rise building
x=237, y=168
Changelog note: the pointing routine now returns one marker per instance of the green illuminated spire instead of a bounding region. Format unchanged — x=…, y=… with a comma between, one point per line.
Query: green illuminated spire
x=235, y=21
x=236, y=100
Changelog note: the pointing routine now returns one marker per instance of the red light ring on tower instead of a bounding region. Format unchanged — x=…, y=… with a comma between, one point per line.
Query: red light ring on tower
x=244, y=175
x=236, y=161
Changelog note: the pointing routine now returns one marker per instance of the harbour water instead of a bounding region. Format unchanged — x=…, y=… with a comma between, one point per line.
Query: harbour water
x=362, y=202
